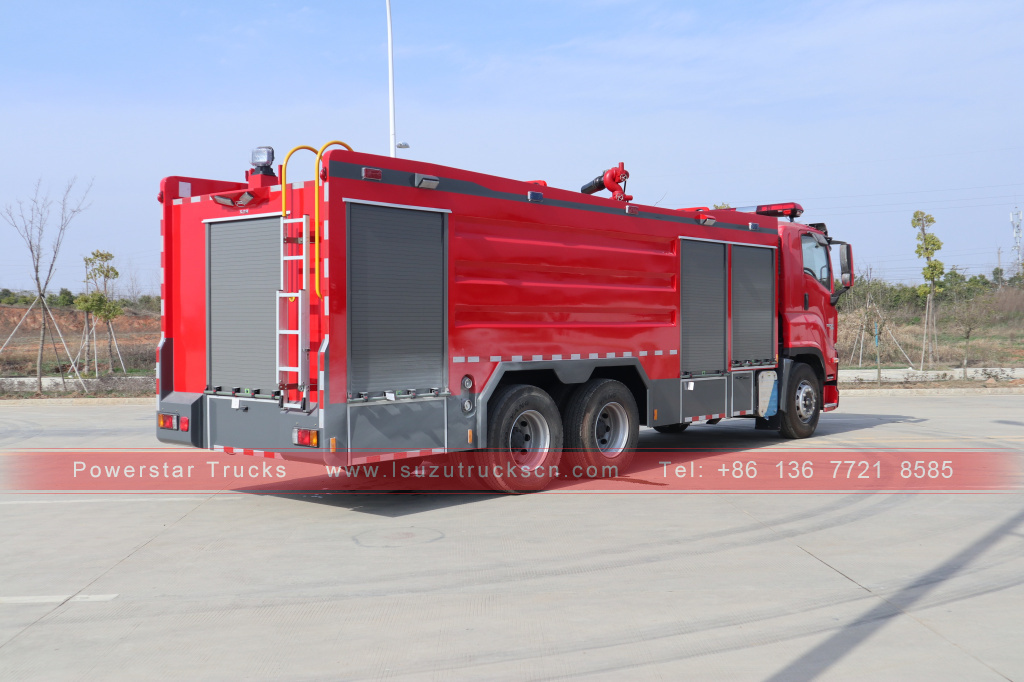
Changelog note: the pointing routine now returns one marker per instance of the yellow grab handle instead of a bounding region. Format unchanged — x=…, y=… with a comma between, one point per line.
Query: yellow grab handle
x=316, y=209
x=284, y=178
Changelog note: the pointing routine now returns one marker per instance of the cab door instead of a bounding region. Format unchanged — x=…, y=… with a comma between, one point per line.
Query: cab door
x=817, y=294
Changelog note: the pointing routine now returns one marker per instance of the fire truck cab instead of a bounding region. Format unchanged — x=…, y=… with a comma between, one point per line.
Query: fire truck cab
x=395, y=309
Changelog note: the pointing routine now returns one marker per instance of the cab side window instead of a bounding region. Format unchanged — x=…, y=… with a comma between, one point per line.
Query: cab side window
x=816, y=261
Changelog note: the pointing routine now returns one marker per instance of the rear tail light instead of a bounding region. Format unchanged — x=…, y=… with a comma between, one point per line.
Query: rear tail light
x=307, y=437
x=183, y=423
x=168, y=421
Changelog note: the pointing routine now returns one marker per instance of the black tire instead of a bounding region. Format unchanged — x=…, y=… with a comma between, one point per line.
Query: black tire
x=671, y=428
x=802, y=401
x=602, y=427
x=524, y=441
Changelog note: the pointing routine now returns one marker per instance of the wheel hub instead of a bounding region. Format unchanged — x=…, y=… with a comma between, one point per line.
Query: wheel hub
x=611, y=429
x=806, y=401
x=529, y=439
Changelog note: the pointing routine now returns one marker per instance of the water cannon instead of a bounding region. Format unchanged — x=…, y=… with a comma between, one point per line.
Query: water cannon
x=610, y=180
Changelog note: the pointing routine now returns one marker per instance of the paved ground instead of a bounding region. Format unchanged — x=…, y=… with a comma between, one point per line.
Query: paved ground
x=601, y=586
x=912, y=375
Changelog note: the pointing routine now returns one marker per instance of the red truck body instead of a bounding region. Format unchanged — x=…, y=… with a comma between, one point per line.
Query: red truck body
x=407, y=296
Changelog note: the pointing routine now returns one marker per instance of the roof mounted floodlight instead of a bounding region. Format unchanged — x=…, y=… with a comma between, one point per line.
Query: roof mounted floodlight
x=262, y=160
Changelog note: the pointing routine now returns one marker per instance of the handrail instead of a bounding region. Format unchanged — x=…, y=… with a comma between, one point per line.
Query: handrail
x=284, y=178
x=316, y=210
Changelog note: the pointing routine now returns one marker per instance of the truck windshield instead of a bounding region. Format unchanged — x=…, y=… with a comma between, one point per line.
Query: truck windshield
x=816, y=260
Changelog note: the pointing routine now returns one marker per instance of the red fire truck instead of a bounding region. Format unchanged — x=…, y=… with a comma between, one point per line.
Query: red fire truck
x=394, y=309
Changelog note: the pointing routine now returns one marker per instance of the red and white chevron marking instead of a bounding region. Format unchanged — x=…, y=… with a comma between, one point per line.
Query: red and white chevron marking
x=389, y=456
x=247, y=451
x=703, y=418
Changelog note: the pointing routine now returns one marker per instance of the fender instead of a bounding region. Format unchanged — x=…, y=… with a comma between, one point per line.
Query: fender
x=567, y=371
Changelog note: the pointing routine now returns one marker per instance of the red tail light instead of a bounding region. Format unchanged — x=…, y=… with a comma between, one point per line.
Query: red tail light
x=168, y=421
x=307, y=437
x=183, y=423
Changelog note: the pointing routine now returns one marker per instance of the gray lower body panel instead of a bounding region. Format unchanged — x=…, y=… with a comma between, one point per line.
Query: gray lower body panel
x=396, y=426
x=702, y=397
x=243, y=423
x=665, y=406
x=742, y=392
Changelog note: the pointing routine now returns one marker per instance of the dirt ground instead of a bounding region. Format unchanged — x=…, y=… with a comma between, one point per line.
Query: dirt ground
x=137, y=335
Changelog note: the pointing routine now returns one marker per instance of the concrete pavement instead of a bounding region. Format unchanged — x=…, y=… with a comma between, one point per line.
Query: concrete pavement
x=544, y=586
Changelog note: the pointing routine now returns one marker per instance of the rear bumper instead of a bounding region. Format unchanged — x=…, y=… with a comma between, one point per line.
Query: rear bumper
x=349, y=433
x=240, y=425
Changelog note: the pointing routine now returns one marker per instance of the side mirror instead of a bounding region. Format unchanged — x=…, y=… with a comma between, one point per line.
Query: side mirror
x=846, y=264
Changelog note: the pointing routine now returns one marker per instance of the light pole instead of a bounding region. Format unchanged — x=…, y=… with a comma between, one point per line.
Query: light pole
x=391, y=82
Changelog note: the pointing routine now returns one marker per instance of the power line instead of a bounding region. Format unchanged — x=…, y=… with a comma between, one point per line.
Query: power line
x=918, y=202
x=904, y=210
x=917, y=191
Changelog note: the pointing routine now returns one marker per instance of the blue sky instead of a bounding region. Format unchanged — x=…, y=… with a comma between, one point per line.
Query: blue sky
x=861, y=111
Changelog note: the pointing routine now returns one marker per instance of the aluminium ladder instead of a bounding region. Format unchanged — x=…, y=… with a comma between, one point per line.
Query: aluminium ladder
x=293, y=304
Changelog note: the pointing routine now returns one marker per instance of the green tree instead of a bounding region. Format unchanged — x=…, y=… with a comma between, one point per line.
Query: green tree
x=65, y=299
x=998, y=276
x=927, y=246
x=100, y=275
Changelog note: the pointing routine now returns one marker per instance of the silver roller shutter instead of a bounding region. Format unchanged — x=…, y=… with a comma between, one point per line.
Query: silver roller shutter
x=396, y=309
x=753, y=305
x=243, y=271
x=702, y=312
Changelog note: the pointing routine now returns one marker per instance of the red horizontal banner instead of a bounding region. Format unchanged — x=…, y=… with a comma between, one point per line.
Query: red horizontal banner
x=668, y=471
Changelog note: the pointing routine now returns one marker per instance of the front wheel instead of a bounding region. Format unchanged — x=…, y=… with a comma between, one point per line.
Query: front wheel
x=803, y=403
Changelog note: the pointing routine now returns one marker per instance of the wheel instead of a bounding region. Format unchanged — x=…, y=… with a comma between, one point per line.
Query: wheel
x=671, y=428
x=803, y=403
x=524, y=440
x=602, y=426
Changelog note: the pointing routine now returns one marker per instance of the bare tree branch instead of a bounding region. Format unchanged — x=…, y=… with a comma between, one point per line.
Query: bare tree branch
x=30, y=220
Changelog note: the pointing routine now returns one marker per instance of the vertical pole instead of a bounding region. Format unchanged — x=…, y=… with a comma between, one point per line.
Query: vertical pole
x=95, y=349
x=391, y=82
x=878, y=357
x=860, y=360
x=924, y=339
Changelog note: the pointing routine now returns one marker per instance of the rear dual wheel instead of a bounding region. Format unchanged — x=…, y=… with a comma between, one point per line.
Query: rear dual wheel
x=524, y=441
x=602, y=426
x=526, y=433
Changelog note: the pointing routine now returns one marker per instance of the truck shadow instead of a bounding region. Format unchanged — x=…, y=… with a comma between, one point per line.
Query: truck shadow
x=380, y=496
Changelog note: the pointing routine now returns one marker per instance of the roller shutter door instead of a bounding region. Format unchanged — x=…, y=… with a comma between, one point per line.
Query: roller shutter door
x=753, y=305
x=702, y=310
x=243, y=275
x=396, y=270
